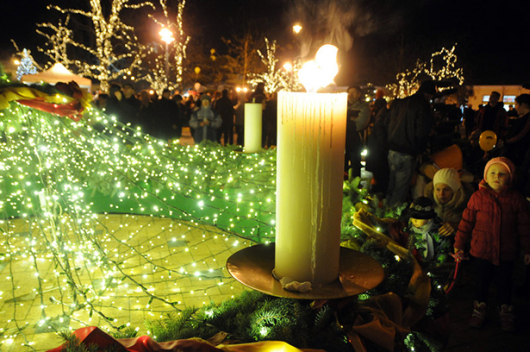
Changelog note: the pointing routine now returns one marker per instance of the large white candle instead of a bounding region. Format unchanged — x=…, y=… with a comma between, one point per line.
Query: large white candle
x=310, y=168
x=253, y=113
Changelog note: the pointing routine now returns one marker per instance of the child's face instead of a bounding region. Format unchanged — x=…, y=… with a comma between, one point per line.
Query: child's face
x=497, y=177
x=443, y=192
x=419, y=222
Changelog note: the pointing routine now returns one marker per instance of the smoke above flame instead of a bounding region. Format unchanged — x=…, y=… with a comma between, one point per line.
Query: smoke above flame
x=336, y=21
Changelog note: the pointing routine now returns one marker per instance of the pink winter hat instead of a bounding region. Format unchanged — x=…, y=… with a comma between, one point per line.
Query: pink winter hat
x=503, y=161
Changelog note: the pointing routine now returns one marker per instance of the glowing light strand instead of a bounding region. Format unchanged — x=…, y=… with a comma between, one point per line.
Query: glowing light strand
x=52, y=166
x=276, y=79
x=442, y=66
x=108, y=30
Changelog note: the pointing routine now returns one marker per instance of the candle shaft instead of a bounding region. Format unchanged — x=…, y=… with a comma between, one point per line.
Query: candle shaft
x=310, y=166
x=253, y=115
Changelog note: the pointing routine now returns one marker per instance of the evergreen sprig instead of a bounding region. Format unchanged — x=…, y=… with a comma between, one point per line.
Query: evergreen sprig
x=176, y=326
x=73, y=344
x=252, y=317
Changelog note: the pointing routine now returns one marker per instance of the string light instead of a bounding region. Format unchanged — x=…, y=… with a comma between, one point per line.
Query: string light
x=109, y=59
x=60, y=180
x=57, y=42
x=276, y=79
x=442, y=66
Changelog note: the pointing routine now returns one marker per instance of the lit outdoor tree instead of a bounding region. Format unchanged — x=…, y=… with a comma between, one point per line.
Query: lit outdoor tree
x=158, y=70
x=153, y=67
x=408, y=81
x=181, y=44
x=442, y=66
x=116, y=48
x=276, y=78
x=57, y=42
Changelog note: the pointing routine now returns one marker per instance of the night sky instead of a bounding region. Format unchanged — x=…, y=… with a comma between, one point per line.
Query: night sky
x=386, y=36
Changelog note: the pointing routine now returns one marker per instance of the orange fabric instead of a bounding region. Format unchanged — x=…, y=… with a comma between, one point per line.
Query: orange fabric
x=379, y=321
x=450, y=157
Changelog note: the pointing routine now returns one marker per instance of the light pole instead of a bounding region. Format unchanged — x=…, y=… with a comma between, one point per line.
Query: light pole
x=167, y=37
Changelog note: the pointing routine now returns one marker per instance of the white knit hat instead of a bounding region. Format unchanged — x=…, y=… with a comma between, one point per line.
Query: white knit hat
x=448, y=176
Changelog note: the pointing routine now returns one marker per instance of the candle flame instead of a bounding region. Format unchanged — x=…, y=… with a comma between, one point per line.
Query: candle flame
x=320, y=72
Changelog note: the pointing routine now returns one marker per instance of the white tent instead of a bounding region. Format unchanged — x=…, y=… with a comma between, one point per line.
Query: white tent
x=57, y=73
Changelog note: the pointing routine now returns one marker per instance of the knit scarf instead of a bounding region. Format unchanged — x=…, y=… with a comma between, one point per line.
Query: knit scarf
x=423, y=240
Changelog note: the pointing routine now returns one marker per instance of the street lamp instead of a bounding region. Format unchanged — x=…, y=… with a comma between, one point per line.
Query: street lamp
x=167, y=37
x=297, y=28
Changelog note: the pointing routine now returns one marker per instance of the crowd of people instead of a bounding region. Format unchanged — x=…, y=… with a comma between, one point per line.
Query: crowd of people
x=216, y=116
x=474, y=197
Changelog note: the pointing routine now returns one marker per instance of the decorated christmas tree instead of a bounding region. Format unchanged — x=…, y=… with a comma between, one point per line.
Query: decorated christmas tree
x=27, y=65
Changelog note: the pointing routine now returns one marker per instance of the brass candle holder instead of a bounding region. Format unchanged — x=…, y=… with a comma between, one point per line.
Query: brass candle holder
x=253, y=266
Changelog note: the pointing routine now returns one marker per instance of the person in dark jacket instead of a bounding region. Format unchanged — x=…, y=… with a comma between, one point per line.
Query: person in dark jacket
x=493, y=116
x=377, y=145
x=258, y=95
x=224, y=107
x=146, y=112
x=270, y=121
x=168, y=119
x=240, y=118
x=518, y=147
x=358, y=118
x=517, y=140
x=497, y=224
x=112, y=106
x=410, y=124
x=129, y=106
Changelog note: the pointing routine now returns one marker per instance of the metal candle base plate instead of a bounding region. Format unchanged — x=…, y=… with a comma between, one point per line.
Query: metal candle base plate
x=253, y=267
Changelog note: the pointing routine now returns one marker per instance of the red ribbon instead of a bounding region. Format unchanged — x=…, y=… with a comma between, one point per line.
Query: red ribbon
x=72, y=110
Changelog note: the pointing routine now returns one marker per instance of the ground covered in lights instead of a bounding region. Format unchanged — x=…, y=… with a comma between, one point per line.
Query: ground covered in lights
x=72, y=255
x=161, y=265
